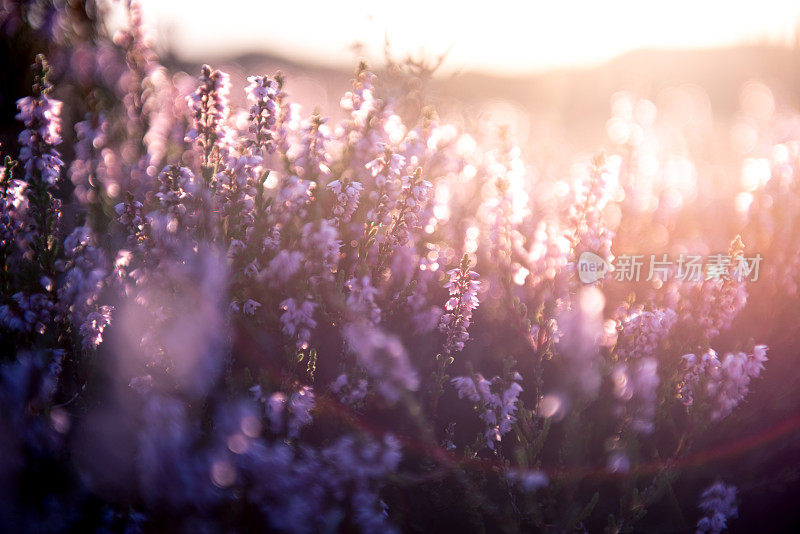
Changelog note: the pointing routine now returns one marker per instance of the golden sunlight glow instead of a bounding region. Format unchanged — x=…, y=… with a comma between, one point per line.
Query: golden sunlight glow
x=502, y=36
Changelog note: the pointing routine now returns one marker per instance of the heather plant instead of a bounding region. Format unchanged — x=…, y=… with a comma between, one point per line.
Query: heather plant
x=289, y=325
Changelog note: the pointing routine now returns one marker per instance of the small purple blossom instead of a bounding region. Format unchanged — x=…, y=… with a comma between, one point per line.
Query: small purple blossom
x=718, y=502
x=722, y=383
x=41, y=116
x=250, y=307
x=298, y=321
x=209, y=108
x=262, y=95
x=93, y=326
x=347, y=196
x=497, y=409
x=463, y=287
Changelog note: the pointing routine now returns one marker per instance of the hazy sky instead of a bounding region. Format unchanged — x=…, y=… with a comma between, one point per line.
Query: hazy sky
x=492, y=35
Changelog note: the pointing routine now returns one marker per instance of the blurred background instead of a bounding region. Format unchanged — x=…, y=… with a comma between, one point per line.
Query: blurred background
x=548, y=70
x=555, y=73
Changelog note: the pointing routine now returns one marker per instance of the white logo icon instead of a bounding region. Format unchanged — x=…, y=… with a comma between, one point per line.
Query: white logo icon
x=592, y=267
